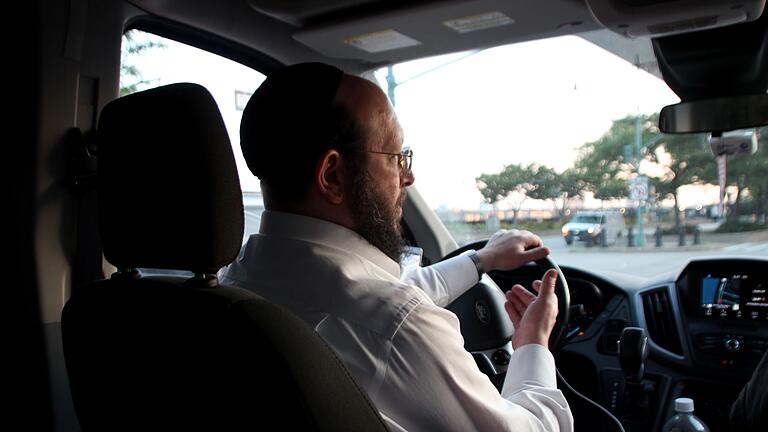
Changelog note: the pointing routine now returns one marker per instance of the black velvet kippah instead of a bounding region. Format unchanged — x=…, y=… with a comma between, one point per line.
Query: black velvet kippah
x=286, y=119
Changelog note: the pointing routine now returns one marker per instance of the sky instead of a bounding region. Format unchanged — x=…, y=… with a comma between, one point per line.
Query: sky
x=530, y=102
x=535, y=102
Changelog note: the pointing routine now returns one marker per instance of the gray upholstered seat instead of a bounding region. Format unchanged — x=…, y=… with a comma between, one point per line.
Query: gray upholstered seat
x=174, y=353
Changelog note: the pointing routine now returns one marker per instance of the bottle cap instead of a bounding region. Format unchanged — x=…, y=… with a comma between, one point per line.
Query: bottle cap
x=684, y=405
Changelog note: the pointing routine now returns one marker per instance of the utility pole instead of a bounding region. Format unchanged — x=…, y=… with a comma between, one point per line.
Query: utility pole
x=640, y=238
x=392, y=82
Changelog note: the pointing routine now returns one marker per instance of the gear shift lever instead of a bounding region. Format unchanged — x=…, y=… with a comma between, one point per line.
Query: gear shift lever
x=640, y=396
x=633, y=350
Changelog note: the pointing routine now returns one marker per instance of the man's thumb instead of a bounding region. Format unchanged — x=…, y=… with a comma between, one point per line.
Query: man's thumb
x=548, y=283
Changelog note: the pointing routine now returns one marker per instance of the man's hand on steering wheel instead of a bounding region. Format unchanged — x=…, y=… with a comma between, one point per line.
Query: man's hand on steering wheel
x=533, y=316
x=510, y=249
x=507, y=250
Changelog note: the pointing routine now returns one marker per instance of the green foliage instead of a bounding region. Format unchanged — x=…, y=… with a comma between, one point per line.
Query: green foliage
x=688, y=229
x=529, y=181
x=571, y=182
x=604, y=166
x=130, y=76
x=609, y=162
x=496, y=187
x=535, y=181
x=534, y=226
x=686, y=159
x=730, y=226
x=603, y=163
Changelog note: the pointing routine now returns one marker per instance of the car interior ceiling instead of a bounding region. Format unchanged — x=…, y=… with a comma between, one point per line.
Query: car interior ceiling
x=313, y=30
x=693, y=64
x=698, y=65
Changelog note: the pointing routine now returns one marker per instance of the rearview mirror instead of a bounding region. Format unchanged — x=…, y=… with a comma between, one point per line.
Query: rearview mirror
x=715, y=115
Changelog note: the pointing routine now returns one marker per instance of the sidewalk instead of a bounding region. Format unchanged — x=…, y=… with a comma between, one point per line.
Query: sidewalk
x=670, y=243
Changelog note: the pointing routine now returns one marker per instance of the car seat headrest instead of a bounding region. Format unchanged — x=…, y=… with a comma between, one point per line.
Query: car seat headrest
x=169, y=194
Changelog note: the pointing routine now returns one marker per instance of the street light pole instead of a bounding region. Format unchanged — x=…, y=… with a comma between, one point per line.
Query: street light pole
x=392, y=82
x=640, y=238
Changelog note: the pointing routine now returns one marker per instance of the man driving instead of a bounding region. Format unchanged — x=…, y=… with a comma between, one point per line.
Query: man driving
x=327, y=148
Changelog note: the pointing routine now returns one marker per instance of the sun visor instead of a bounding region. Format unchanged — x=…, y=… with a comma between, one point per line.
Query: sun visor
x=419, y=31
x=636, y=18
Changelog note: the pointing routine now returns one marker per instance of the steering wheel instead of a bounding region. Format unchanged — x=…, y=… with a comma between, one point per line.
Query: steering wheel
x=484, y=321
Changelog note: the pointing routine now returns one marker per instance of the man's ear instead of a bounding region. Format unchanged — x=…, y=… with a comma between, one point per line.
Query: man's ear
x=331, y=176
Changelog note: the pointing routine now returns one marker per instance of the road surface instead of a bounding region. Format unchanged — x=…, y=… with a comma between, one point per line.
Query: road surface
x=650, y=260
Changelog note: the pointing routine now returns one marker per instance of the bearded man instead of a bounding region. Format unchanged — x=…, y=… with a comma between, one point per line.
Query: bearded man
x=327, y=148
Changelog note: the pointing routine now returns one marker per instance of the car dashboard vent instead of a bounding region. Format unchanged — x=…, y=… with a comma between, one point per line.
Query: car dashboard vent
x=660, y=320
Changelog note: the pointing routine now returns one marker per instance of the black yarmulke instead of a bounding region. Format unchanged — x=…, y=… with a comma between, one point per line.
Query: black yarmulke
x=285, y=128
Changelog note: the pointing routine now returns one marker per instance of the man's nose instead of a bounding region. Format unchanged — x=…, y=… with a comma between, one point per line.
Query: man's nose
x=407, y=179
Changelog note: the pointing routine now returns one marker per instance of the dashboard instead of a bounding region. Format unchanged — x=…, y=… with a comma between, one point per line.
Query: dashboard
x=725, y=313
x=707, y=328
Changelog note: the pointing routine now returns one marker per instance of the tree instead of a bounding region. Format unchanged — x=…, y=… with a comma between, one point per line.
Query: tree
x=684, y=159
x=677, y=159
x=520, y=182
x=605, y=165
x=130, y=76
x=498, y=187
x=571, y=184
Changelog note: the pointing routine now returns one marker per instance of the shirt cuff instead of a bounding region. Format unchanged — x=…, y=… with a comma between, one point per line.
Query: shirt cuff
x=460, y=273
x=530, y=365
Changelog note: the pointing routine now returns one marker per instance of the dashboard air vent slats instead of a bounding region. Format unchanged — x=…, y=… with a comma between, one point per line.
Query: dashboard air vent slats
x=660, y=320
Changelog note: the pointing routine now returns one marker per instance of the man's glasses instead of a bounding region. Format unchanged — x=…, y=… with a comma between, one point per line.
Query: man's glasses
x=404, y=159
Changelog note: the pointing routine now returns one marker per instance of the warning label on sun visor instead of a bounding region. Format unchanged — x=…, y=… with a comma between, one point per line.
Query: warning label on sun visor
x=384, y=40
x=479, y=22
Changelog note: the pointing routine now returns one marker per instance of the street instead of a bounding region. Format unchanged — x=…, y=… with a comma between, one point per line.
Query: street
x=651, y=260
x=646, y=261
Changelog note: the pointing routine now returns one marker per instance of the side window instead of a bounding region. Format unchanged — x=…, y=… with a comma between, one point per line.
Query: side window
x=150, y=61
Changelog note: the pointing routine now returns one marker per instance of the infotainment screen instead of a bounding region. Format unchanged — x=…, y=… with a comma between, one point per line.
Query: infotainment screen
x=735, y=296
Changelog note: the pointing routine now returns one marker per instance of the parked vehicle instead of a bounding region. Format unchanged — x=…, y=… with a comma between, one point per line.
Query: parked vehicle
x=602, y=227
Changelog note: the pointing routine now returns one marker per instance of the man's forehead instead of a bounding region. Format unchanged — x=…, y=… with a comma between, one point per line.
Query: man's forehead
x=370, y=106
x=386, y=133
x=399, y=134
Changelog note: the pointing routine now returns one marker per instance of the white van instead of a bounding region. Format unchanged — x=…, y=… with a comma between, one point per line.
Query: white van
x=594, y=226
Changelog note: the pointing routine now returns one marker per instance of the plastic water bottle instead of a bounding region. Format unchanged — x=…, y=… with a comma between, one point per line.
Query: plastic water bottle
x=684, y=420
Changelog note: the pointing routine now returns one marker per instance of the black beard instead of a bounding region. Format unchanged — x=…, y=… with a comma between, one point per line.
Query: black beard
x=375, y=222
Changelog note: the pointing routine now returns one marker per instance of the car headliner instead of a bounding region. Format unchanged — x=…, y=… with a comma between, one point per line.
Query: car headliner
x=290, y=32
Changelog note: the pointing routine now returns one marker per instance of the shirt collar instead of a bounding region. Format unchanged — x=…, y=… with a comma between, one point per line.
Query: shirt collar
x=291, y=225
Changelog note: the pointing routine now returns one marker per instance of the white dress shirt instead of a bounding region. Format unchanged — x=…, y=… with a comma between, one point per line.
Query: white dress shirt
x=393, y=334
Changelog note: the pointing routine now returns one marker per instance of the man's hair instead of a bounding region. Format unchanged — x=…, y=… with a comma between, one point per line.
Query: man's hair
x=290, y=121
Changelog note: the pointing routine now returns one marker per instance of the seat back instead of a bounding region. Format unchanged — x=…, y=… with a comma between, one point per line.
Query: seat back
x=177, y=352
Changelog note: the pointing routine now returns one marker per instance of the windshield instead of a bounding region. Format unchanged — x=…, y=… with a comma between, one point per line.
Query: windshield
x=528, y=135
x=586, y=219
x=533, y=136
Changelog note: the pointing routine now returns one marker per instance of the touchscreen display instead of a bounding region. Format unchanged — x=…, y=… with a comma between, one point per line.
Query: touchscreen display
x=738, y=296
